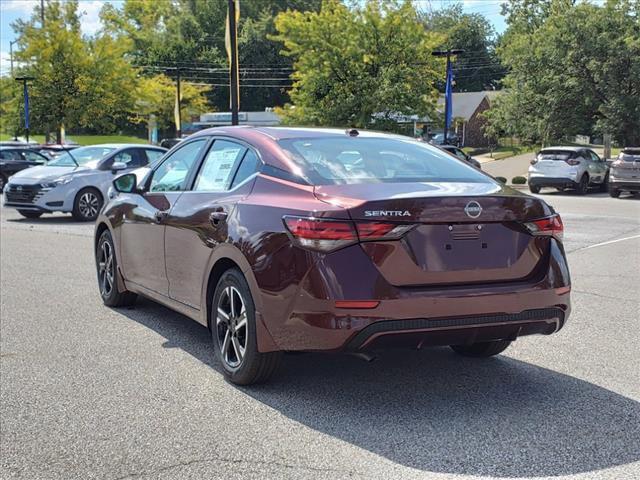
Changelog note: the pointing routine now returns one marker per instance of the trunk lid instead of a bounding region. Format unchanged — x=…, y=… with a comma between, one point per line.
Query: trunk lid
x=464, y=232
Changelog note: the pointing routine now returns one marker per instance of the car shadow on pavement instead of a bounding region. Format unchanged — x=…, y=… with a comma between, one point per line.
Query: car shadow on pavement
x=435, y=411
x=48, y=220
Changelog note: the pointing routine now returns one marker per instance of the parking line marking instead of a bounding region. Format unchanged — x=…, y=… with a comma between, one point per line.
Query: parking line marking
x=605, y=243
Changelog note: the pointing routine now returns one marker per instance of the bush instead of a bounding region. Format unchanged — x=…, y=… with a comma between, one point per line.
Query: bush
x=501, y=179
x=519, y=180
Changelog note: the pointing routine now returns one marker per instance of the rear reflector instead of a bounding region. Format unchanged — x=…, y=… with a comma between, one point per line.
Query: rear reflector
x=549, y=226
x=357, y=303
x=563, y=290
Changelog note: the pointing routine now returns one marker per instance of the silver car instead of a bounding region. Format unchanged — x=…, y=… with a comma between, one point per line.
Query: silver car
x=563, y=168
x=625, y=172
x=77, y=181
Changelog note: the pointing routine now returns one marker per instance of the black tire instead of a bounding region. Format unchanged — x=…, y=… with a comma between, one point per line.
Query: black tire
x=30, y=213
x=87, y=205
x=234, y=335
x=3, y=182
x=109, y=292
x=604, y=186
x=583, y=186
x=613, y=192
x=482, y=349
x=534, y=189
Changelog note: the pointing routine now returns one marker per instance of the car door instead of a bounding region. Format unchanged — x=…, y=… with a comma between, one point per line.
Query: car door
x=203, y=218
x=142, y=232
x=597, y=167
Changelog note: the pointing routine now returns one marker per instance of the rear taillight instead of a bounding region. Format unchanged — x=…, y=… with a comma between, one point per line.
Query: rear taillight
x=328, y=235
x=573, y=162
x=549, y=226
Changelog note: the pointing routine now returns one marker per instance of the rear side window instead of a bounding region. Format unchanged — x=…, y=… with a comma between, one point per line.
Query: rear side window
x=10, y=155
x=348, y=160
x=630, y=155
x=153, y=155
x=248, y=167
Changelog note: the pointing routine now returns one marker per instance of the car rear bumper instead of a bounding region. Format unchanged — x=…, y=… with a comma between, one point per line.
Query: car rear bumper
x=413, y=316
x=556, y=182
x=632, y=185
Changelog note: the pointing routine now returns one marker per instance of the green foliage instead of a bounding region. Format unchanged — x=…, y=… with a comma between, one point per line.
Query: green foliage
x=190, y=34
x=10, y=106
x=519, y=180
x=501, y=179
x=574, y=69
x=479, y=67
x=352, y=63
x=78, y=82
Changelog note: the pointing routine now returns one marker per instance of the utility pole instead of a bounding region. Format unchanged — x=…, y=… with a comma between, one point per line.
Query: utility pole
x=178, y=105
x=11, y=42
x=24, y=81
x=448, y=88
x=234, y=87
x=179, y=100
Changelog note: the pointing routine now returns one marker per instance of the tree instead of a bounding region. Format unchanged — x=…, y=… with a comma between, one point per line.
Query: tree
x=78, y=82
x=189, y=34
x=574, y=69
x=478, y=68
x=358, y=66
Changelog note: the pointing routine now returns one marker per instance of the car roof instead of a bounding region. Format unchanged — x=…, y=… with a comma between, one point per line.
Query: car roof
x=281, y=133
x=568, y=149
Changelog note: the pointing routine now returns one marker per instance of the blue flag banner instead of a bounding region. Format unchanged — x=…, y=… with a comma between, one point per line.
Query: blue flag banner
x=26, y=106
x=448, y=99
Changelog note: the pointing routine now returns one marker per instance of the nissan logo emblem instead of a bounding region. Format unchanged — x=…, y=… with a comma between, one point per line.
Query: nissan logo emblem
x=473, y=209
x=19, y=188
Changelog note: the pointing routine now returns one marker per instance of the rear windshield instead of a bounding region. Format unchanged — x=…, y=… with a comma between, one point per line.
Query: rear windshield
x=331, y=160
x=561, y=155
x=630, y=154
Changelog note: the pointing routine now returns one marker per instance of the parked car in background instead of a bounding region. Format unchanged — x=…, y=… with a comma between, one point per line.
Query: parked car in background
x=13, y=159
x=624, y=175
x=459, y=153
x=452, y=139
x=77, y=181
x=574, y=168
x=293, y=239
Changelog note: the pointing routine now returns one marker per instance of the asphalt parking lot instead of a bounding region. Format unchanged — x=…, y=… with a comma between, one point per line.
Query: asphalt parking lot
x=89, y=392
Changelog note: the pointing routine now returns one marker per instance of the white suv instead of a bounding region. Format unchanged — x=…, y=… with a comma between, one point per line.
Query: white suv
x=576, y=168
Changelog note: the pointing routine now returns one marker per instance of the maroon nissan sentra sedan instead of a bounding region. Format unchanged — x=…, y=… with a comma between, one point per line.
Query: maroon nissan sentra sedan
x=293, y=239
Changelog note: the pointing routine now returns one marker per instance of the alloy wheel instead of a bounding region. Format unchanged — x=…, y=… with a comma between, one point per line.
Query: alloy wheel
x=88, y=205
x=231, y=327
x=106, y=271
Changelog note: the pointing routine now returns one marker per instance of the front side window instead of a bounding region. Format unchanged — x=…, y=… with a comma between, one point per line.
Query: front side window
x=337, y=160
x=172, y=174
x=218, y=167
x=125, y=157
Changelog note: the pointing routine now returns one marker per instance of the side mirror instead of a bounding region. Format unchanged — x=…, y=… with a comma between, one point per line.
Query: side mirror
x=126, y=183
x=118, y=166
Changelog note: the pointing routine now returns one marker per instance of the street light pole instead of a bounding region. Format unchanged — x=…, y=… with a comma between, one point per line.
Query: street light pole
x=24, y=81
x=448, y=89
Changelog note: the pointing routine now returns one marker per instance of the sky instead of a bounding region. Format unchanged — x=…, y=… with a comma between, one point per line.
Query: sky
x=10, y=10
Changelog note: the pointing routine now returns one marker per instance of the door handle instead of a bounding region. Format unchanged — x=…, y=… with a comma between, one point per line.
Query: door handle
x=218, y=216
x=160, y=216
